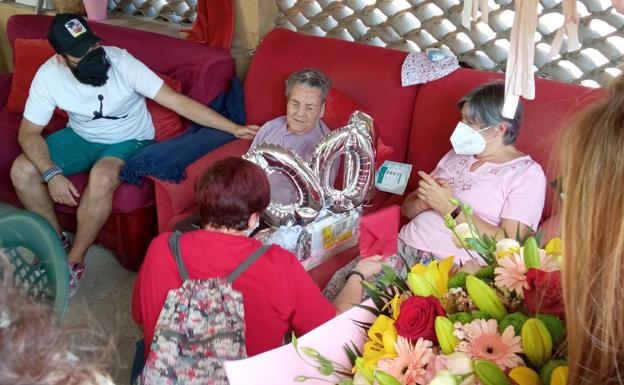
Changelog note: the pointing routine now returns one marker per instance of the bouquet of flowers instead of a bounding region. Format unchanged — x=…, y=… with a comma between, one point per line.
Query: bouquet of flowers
x=497, y=324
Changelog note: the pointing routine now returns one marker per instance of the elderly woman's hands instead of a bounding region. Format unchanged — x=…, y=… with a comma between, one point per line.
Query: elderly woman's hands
x=435, y=192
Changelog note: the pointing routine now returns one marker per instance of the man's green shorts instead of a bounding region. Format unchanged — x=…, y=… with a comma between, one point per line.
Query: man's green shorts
x=74, y=155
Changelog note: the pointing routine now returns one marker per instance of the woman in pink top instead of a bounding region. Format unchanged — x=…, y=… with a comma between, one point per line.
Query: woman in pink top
x=504, y=186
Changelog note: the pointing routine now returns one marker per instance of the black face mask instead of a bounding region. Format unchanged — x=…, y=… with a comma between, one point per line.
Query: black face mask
x=93, y=68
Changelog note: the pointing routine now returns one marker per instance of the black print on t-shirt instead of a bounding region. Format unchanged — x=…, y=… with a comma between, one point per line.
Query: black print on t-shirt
x=99, y=115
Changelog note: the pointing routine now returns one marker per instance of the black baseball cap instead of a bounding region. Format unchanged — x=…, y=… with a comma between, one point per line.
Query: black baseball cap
x=70, y=34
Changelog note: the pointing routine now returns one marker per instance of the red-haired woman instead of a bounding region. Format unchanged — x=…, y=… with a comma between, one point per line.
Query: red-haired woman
x=278, y=295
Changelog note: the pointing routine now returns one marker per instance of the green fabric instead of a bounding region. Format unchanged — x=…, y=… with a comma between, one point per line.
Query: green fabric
x=74, y=155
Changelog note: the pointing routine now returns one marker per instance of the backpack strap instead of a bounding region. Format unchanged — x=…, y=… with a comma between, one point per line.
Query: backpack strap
x=246, y=263
x=174, y=245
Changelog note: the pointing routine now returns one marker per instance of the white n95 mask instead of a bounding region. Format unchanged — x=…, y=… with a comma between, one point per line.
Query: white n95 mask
x=467, y=141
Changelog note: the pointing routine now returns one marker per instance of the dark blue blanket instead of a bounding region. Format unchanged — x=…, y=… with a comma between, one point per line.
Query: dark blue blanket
x=168, y=160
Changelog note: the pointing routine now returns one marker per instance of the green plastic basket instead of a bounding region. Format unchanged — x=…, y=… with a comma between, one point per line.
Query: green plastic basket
x=37, y=257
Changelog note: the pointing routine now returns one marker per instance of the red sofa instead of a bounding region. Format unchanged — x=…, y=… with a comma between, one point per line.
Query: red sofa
x=417, y=120
x=204, y=73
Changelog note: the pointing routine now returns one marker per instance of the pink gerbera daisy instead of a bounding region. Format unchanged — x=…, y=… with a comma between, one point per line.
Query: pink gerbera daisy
x=409, y=366
x=482, y=341
x=511, y=274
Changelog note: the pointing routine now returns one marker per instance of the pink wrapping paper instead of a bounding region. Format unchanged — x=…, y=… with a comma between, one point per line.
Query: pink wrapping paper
x=282, y=365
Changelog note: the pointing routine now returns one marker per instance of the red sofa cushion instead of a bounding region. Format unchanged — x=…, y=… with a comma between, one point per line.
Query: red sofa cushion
x=338, y=110
x=28, y=56
x=435, y=116
x=167, y=123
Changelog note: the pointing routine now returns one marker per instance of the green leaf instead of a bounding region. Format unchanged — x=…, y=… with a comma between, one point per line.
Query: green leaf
x=326, y=368
x=539, y=236
x=388, y=275
x=400, y=282
x=477, y=246
x=293, y=340
x=372, y=293
x=363, y=325
x=356, y=349
x=300, y=378
x=346, y=381
x=376, y=312
x=350, y=353
x=312, y=353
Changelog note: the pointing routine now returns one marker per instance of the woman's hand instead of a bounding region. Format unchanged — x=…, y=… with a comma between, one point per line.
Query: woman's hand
x=435, y=192
x=370, y=266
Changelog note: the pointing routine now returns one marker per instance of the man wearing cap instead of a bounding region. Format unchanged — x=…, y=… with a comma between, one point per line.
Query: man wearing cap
x=103, y=91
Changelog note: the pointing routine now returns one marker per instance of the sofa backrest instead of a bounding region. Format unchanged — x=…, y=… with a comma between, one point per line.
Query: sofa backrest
x=369, y=76
x=195, y=65
x=544, y=119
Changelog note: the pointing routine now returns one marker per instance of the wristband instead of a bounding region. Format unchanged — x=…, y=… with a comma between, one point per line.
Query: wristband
x=455, y=213
x=355, y=272
x=50, y=173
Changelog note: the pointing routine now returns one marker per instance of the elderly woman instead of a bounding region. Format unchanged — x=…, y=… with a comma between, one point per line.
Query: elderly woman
x=278, y=295
x=504, y=186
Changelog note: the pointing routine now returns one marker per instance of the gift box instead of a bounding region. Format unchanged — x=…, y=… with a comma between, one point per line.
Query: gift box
x=328, y=235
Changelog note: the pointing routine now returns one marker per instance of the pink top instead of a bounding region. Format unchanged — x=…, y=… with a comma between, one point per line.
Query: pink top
x=512, y=190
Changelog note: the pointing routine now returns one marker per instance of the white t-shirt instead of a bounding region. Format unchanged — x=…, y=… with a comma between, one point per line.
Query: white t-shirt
x=92, y=110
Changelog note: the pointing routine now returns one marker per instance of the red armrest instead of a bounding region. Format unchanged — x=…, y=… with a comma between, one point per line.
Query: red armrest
x=175, y=198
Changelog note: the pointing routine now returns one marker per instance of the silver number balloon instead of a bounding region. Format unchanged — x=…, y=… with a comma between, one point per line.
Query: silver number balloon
x=355, y=142
x=310, y=197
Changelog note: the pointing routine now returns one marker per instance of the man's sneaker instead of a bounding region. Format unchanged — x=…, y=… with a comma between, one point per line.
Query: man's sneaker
x=65, y=241
x=76, y=269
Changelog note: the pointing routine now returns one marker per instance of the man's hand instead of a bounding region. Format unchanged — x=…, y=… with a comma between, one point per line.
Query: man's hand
x=63, y=191
x=436, y=192
x=370, y=266
x=246, y=132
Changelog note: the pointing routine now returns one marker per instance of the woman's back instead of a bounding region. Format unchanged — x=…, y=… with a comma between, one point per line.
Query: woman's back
x=278, y=295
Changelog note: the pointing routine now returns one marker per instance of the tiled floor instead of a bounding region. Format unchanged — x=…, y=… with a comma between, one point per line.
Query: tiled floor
x=104, y=299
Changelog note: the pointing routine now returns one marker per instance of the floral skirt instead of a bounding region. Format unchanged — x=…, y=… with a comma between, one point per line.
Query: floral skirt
x=410, y=254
